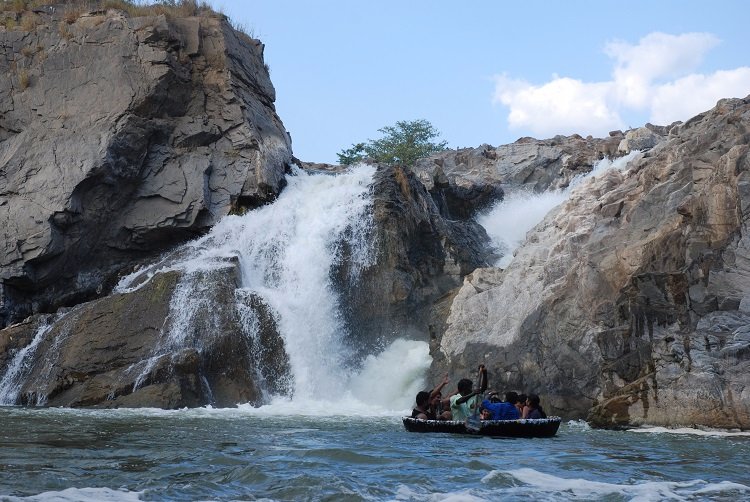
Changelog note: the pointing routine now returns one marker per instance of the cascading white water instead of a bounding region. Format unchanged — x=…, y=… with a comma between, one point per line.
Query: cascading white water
x=508, y=221
x=19, y=367
x=286, y=253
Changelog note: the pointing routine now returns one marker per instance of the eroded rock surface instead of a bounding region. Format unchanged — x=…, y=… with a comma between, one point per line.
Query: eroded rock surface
x=120, y=137
x=419, y=256
x=463, y=181
x=162, y=345
x=629, y=302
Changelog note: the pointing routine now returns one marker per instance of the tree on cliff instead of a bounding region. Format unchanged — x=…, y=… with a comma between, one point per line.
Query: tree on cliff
x=402, y=143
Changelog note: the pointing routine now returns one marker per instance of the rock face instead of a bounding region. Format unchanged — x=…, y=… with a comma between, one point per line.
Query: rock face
x=120, y=137
x=420, y=256
x=190, y=338
x=137, y=349
x=644, y=138
x=628, y=303
x=462, y=181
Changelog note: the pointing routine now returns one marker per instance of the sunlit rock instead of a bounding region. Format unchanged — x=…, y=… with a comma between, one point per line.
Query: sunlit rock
x=466, y=180
x=151, y=347
x=628, y=302
x=121, y=137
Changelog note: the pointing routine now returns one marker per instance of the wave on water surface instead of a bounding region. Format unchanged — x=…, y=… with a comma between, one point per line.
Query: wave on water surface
x=80, y=495
x=692, y=432
x=538, y=484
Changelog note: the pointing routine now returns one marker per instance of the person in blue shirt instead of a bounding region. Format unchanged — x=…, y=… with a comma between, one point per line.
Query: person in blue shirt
x=505, y=410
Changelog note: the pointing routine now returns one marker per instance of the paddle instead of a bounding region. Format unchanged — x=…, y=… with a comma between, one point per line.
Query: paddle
x=473, y=422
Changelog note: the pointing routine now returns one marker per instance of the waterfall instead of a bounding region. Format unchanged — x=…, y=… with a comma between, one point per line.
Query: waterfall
x=20, y=367
x=508, y=221
x=286, y=252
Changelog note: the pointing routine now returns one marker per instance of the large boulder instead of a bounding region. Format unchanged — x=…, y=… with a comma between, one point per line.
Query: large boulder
x=644, y=138
x=629, y=302
x=120, y=137
x=419, y=256
x=163, y=344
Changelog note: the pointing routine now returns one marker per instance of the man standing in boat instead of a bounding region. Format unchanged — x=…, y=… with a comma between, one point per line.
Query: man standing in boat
x=466, y=402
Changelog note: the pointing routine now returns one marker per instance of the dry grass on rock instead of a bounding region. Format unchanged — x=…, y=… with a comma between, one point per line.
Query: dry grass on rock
x=74, y=8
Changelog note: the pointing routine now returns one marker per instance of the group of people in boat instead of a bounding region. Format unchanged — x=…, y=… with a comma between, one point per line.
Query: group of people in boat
x=466, y=402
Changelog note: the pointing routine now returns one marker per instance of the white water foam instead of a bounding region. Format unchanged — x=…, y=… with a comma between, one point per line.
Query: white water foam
x=80, y=495
x=508, y=221
x=692, y=432
x=385, y=386
x=19, y=367
x=540, y=484
x=580, y=425
x=404, y=492
x=287, y=252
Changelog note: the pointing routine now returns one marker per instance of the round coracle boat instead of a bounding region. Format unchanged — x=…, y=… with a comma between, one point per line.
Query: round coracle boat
x=522, y=428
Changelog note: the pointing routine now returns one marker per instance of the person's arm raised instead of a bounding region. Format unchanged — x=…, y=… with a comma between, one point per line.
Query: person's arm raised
x=482, y=379
x=439, y=387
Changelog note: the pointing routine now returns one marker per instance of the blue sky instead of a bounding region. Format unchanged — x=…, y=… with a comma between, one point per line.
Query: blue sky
x=491, y=72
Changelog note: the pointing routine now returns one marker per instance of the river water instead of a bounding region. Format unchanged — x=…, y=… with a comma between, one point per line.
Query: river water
x=273, y=454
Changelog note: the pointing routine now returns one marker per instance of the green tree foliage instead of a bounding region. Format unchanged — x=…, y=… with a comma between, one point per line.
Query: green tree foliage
x=402, y=143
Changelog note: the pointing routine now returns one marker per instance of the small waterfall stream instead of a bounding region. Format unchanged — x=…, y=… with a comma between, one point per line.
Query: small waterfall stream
x=509, y=220
x=20, y=367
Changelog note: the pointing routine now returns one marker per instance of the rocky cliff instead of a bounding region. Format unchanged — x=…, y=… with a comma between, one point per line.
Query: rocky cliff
x=420, y=256
x=628, y=303
x=121, y=136
x=179, y=333
x=466, y=180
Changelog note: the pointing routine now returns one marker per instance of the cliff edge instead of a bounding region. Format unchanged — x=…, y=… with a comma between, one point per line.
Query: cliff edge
x=121, y=135
x=628, y=303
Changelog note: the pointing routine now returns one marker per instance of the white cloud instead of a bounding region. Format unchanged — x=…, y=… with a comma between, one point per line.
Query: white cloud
x=691, y=95
x=653, y=76
x=662, y=55
x=562, y=106
x=657, y=56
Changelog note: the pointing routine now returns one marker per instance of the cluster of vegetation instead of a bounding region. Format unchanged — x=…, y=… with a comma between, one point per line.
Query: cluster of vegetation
x=403, y=143
x=19, y=14
x=134, y=8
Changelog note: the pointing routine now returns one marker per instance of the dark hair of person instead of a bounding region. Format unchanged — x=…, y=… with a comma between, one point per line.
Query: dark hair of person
x=464, y=386
x=533, y=400
x=511, y=397
x=522, y=398
x=534, y=405
x=422, y=397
